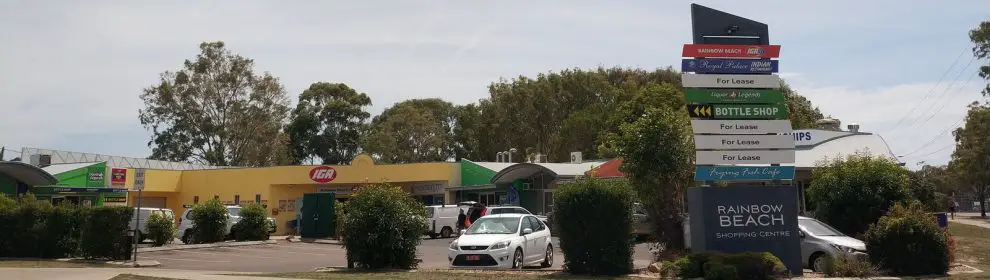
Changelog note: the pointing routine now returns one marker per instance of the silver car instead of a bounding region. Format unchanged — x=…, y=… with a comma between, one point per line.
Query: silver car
x=819, y=239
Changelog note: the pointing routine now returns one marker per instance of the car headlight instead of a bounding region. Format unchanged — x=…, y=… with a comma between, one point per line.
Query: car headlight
x=453, y=245
x=844, y=248
x=500, y=245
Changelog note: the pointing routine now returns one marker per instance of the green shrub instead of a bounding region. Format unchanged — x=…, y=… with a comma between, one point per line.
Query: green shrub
x=853, y=193
x=105, y=234
x=849, y=266
x=209, y=221
x=7, y=202
x=253, y=225
x=907, y=241
x=29, y=227
x=382, y=227
x=63, y=231
x=748, y=265
x=716, y=270
x=595, y=240
x=161, y=229
x=338, y=210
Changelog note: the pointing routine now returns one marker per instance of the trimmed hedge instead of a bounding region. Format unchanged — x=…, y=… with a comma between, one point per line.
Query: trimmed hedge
x=253, y=225
x=105, y=235
x=593, y=222
x=209, y=221
x=908, y=242
x=714, y=265
x=35, y=229
x=161, y=229
x=382, y=228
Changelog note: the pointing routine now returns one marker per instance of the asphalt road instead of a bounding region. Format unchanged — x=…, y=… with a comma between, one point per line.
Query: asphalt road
x=294, y=257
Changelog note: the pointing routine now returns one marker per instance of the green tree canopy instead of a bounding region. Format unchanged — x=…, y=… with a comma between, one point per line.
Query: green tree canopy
x=326, y=123
x=981, y=50
x=216, y=110
x=417, y=130
x=971, y=158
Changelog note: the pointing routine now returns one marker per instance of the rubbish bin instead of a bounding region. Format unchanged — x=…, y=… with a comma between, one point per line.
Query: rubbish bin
x=943, y=220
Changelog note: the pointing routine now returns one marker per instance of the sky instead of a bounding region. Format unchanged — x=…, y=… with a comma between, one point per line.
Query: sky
x=71, y=72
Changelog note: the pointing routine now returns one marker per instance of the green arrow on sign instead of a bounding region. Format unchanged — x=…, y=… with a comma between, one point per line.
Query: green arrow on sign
x=728, y=95
x=749, y=111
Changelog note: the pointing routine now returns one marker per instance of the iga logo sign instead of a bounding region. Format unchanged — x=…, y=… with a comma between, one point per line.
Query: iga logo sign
x=323, y=174
x=754, y=51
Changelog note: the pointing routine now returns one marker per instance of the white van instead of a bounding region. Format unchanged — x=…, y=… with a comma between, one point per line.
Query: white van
x=442, y=219
x=146, y=213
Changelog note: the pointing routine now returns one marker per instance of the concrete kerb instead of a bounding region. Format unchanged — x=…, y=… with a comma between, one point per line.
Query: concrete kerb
x=202, y=246
x=315, y=240
x=140, y=263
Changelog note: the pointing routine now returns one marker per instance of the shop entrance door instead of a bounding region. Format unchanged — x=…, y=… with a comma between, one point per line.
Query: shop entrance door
x=488, y=199
x=318, y=217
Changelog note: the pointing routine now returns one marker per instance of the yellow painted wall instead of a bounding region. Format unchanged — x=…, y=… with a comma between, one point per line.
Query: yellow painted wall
x=283, y=182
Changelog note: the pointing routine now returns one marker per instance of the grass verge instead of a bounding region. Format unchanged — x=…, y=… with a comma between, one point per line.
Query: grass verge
x=972, y=249
x=140, y=277
x=430, y=275
x=47, y=264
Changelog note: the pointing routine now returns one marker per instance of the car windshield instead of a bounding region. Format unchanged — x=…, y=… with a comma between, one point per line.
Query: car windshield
x=816, y=228
x=234, y=211
x=499, y=225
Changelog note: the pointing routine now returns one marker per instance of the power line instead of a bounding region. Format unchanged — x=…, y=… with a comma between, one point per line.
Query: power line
x=937, y=136
x=946, y=103
x=935, y=152
x=946, y=91
x=930, y=91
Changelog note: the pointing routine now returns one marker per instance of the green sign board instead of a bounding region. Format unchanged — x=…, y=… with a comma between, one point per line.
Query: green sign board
x=726, y=95
x=738, y=111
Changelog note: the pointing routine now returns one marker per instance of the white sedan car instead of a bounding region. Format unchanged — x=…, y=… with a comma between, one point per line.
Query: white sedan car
x=503, y=241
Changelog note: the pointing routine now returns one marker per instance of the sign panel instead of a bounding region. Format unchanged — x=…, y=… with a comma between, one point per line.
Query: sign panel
x=730, y=66
x=724, y=95
x=745, y=51
x=738, y=111
x=729, y=81
x=746, y=219
x=743, y=173
x=811, y=137
x=322, y=174
x=741, y=126
x=115, y=199
x=425, y=189
x=118, y=177
x=139, y=179
x=744, y=157
x=743, y=142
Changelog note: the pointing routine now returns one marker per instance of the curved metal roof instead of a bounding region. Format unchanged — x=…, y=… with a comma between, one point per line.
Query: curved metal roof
x=26, y=173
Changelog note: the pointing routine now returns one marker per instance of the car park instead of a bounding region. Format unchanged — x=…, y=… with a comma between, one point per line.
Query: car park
x=819, y=240
x=503, y=241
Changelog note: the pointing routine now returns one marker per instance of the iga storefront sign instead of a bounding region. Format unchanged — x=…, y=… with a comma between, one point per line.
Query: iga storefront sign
x=323, y=174
x=423, y=189
x=118, y=177
x=746, y=219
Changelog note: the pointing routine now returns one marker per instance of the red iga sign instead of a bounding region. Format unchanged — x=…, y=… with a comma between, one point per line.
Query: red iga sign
x=118, y=176
x=747, y=51
x=323, y=174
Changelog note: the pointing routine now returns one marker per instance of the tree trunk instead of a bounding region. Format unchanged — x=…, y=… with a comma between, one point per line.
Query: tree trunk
x=982, y=196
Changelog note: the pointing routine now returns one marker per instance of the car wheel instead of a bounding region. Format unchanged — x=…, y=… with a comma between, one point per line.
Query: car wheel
x=187, y=238
x=548, y=257
x=446, y=232
x=817, y=262
x=434, y=235
x=517, y=259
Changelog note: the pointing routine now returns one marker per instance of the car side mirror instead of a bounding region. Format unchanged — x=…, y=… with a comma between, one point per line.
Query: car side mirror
x=463, y=231
x=801, y=234
x=527, y=231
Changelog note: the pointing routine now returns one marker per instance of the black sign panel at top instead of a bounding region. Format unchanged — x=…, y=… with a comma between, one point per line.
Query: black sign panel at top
x=711, y=26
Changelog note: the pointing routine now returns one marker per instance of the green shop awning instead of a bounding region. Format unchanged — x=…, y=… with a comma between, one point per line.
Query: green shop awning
x=76, y=190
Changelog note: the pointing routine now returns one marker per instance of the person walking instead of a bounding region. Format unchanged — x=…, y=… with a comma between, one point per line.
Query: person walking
x=461, y=218
x=952, y=209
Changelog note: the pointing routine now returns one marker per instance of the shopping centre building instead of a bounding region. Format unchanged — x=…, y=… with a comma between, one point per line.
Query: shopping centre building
x=92, y=179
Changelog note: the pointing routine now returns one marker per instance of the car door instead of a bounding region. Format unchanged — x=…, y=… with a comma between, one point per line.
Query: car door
x=542, y=236
x=533, y=251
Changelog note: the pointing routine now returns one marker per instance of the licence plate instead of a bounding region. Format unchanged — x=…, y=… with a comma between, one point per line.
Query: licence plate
x=473, y=258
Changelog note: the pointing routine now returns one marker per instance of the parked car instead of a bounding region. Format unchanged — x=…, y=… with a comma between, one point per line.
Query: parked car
x=819, y=240
x=145, y=213
x=442, y=219
x=503, y=241
x=233, y=211
x=509, y=209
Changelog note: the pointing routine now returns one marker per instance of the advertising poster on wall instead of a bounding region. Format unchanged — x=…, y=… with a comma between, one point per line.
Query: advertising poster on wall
x=118, y=177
